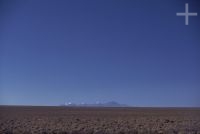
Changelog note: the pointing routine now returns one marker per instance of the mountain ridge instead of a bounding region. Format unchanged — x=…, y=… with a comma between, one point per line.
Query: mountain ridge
x=98, y=104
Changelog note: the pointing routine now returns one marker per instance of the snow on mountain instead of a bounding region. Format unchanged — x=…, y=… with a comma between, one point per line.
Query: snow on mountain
x=97, y=104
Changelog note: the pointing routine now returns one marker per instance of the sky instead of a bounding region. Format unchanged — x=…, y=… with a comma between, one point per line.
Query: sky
x=135, y=52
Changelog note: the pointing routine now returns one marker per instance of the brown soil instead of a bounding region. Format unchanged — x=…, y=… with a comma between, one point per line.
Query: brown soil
x=66, y=120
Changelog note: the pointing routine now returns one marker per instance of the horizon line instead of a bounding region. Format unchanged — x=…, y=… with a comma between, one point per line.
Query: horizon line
x=128, y=106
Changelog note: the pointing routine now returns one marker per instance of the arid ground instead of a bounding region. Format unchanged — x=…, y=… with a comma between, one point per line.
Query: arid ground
x=69, y=120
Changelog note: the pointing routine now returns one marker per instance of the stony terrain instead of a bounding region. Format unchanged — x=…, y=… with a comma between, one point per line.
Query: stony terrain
x=69, y=120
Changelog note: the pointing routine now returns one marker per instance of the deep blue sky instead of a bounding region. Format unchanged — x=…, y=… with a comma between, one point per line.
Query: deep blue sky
x=136, y=52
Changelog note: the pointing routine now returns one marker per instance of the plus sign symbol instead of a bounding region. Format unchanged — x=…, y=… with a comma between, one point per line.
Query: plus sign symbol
x=186, y=14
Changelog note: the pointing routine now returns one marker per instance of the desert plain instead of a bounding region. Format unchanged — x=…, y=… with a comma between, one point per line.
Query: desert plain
x=94, y=120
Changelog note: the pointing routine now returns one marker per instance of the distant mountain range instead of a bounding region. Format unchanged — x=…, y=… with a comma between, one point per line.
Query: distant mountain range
x=98, y=104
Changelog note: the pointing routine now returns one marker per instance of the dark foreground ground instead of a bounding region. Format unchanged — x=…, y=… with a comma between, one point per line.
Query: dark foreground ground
x=65, y=120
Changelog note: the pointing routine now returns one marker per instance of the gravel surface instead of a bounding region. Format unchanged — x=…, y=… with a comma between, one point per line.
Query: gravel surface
x=74, y=120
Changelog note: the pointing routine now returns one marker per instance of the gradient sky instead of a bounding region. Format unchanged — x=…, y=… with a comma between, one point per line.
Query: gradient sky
x=136, y=52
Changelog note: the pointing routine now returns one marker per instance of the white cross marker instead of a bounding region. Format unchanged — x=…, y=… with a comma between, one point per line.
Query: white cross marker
x=186, y=14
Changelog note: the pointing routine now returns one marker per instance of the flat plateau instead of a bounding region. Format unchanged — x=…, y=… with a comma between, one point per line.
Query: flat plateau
x=94, y=120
